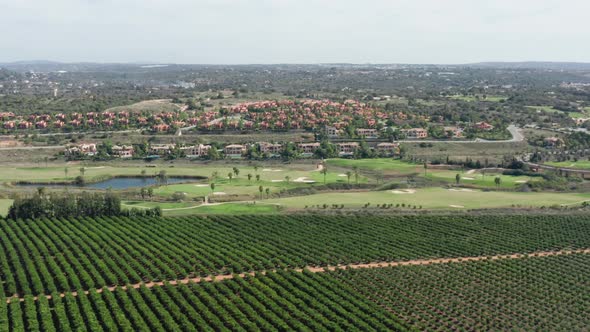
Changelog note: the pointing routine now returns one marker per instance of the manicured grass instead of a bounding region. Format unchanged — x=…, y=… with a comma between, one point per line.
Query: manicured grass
x=473, y=98
x=151, y=205
x=550, y=109
x=378, y=164
x=581, y=164
x=478, y=179
x=435, y=198
x=4, y=206
x=228, y=208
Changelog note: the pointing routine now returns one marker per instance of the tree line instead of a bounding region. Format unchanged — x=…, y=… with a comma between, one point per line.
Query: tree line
x=66, y=205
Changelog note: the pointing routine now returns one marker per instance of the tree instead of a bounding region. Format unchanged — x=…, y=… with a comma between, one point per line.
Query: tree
x=212, y=186
x=46, y=159
x=267, y=190
x=287, y=179
x=348, y=175
x=66, y=172
x=324, y=171
x=150, y=192
x=255, y=168
x=498, y=181
x=162, y=177
x=249, y=176
x=260, y=189
x=236, y=171
x=143, y=172
x=142, y=193
x=214, y=175
x=355, y=170
x=230, y=175
x=257, y=177
x=457, y=178
x=425, y=168
x=82, y=171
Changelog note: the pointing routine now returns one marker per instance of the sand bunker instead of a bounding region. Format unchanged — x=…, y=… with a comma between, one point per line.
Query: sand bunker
x=403, y=191
x=466, y=178
x=461, y=189
x=342, y=175
x=457, y=206
x=272, y=170
x=471, y=171
x=277, y=181
x=219, y=193
x=201, y=185
x=521, y=181
x=303, y=179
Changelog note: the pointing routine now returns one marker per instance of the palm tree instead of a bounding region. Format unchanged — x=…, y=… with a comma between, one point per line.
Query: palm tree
x=287, y=178
x=230, y=175
x=255, y=168
x=324, y=171
x=267, y=190
x=163, y=177
x=355, y=170
x=457, y=178
x=236, y=171
x=212, y=185
x=249, y=176
x=261, y=190
x=257, y=177
x=425, y=168
x=66, y=171
x=348, y=175
x=498, y=181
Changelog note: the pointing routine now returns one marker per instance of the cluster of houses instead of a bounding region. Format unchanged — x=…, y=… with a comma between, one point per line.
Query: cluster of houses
x=232, y=151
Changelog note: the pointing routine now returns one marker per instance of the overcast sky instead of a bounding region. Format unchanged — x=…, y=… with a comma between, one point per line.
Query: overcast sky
x=295, y=31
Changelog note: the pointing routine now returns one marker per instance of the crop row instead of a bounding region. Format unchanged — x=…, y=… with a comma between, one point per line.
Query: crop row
x=282, y=301
x=529, y=294
x=44, y=256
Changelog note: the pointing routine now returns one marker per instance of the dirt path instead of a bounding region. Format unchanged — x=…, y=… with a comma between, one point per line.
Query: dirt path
x=316, y=269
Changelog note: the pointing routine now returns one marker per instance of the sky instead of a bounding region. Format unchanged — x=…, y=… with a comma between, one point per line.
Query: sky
x=294, y=31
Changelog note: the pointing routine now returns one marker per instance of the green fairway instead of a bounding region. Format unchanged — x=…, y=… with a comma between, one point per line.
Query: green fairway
x=581, y=164
x=4, y=206
x=435, y=198
x=228, y=208
x=378, y=164
x=476, y=178
x=481, y=98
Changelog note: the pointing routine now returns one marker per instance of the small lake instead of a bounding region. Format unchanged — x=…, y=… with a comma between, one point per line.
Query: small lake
x=114, y=183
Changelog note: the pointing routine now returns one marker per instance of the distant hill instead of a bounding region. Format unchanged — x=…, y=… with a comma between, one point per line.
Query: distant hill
x=534, y=65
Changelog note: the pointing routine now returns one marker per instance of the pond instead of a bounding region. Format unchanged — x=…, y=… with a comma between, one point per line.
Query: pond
x=114, y=183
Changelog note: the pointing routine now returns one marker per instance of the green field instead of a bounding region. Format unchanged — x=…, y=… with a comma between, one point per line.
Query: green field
x=4, y=206
x=387, y=165
x=581, y=164
x=471, y=98
x=478, y=179
x=436, y=198
x=550, y=109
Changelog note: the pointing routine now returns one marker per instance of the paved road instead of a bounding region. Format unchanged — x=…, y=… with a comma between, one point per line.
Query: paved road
x=517, y=136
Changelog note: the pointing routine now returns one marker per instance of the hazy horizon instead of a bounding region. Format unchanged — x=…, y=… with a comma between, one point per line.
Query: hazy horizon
x=294, y=32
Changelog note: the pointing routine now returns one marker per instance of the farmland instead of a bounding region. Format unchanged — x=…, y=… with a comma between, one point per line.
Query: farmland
x=245, y=273
x=528, y=294
x=46, y=256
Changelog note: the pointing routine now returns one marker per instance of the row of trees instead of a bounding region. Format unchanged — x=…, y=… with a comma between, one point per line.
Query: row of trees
x=56, y=205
